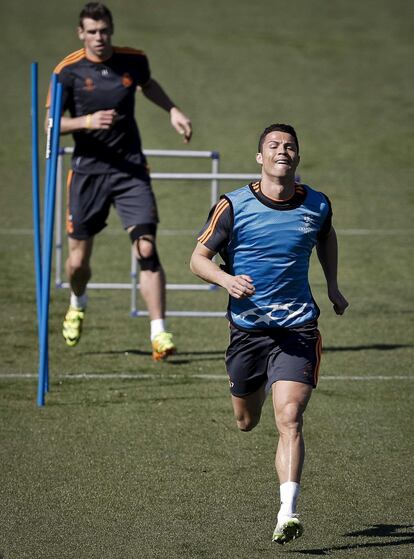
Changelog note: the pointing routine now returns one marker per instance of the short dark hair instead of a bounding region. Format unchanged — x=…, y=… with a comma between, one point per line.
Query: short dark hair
x=278, y=128
x=96, y=11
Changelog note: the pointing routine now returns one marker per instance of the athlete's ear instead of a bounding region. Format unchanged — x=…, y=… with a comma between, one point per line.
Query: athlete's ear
x=259, y=158
x=81, y=33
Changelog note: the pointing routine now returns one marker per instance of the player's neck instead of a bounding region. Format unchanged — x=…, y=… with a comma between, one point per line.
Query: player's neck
x=278, y=188
x=94, y=57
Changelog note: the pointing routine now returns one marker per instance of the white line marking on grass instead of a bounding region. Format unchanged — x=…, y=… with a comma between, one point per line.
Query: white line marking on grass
x=16, y=231
x=164, y=232
x=368, y=377
x=178, y=232
x=143, y=376
x=357, y=232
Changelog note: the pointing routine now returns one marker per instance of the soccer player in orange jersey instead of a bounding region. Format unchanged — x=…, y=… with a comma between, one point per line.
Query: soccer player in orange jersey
x=108, y=166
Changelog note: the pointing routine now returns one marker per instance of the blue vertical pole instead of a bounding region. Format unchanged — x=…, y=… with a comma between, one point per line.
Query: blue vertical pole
x=49, y=213
x=43, y=383
x=35, y=189
x=53, y=88
x=53, y=93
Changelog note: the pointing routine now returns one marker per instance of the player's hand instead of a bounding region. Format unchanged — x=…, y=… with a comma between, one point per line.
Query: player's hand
x=338, y=300
x=240, y=286
x=101, y=120
x=181, y=123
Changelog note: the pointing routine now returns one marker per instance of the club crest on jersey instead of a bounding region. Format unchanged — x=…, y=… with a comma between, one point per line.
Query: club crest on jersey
x=89, y=85
x=127, y=80
x=309, y=224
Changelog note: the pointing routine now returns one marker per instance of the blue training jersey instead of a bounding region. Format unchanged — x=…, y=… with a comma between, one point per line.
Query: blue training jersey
x=274, y=248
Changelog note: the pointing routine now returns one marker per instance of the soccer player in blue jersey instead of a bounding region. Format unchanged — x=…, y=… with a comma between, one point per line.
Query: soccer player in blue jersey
x=108, y=166
x=265, y=233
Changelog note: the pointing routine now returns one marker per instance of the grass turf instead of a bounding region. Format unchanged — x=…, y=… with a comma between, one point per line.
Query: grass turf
x=154, y=467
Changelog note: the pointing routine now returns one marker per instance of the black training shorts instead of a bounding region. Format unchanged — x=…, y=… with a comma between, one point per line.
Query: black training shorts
x=89, y=199
x=256, y=358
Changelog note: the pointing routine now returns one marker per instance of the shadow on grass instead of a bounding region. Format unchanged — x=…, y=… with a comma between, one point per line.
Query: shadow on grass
x=375, y=531
x=192, y=355
x=380, y=347
x=119, y=352
x=188, y=357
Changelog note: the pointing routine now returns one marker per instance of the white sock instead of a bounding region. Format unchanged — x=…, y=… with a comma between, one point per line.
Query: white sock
x=157, y=326
x=78, y=302
x=289, y=493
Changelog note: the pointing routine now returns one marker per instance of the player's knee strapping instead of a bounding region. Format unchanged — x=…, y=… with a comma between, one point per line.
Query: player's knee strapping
x=141, y=233
x=151, y=262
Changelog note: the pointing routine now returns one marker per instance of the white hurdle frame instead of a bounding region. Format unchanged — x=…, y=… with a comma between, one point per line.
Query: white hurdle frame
x=214, y=177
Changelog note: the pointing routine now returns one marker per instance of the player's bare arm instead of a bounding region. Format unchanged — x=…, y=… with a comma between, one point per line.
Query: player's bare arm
x=100, y=120
x=179, y=121
x=202, y=265
x=327, y=249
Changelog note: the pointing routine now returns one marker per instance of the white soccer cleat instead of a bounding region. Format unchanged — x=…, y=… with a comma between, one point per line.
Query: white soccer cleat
x=287, y=529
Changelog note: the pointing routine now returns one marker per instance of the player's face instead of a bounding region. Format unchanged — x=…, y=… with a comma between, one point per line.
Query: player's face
x=96, y=37
x=279, y=156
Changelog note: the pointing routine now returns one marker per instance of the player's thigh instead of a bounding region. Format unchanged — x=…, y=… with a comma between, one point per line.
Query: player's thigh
x=247, y=409
x=134, y=200
x=290, y=399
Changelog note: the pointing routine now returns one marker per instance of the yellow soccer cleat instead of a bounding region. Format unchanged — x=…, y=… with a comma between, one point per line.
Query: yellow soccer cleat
x=72, y=326
x=162, y=346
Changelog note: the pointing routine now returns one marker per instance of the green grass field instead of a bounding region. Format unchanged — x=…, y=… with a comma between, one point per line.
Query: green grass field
x=135, y=460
